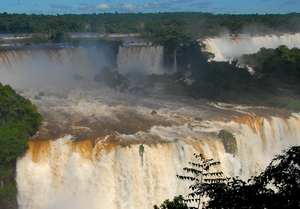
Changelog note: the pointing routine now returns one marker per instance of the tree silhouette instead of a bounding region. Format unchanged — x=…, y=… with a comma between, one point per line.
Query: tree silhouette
x=204, y=181
x=276, y=187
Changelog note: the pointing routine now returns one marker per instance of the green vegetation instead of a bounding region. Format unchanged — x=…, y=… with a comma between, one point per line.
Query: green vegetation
x=19, y=121
x=276, y=187
x=193, y=24
x=228, y=140
x=274, y=84
x=283, y=173
x=141, y=151
x=280, y=64
x=177, y=203
x=277, y=71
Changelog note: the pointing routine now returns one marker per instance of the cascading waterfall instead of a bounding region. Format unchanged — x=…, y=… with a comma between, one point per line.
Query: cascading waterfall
x=141, y=59
x=226, y=48
x=74, y=57
x=104, y=174
x=99, y=148
x=40, y=66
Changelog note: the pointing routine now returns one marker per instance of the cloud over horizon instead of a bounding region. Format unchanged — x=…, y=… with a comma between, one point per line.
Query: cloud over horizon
x=94, y=8
x=60, y=6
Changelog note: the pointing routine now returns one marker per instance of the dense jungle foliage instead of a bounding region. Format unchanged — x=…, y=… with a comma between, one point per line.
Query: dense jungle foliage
x=19, y=121
x=282, y=64
x=151, y=25
x=274, y=84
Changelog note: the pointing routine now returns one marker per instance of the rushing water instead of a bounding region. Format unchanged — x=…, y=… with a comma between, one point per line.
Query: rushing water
x=226, y=48
x=99, y=148
x=142, y=59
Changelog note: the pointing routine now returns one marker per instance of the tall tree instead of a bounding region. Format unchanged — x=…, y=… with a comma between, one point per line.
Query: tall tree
x=204, y=180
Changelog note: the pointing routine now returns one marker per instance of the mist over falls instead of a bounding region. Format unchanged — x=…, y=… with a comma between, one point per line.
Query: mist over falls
x=142, y=59
x=101, y=148
x=228, y=48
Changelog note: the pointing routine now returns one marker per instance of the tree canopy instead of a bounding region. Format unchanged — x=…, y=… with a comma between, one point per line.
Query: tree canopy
x=193, y=24
x=19, y=121
x=280, y=63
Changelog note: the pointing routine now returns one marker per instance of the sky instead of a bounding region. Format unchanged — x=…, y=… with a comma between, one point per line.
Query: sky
x=146, y=6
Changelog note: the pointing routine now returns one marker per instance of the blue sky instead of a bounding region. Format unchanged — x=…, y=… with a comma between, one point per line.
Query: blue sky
x=121, y=6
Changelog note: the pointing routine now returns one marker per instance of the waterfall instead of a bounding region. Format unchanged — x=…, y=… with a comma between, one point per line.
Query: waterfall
x=100, y=148
x=226, y=48
x=141, y=59
x=41, y=66
x=104, y=174
x=73, y=57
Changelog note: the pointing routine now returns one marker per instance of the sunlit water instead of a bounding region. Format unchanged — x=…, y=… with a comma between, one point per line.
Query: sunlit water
x=226, y=48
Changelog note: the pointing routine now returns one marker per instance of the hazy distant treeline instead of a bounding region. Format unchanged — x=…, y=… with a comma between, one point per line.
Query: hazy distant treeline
x=191, y=24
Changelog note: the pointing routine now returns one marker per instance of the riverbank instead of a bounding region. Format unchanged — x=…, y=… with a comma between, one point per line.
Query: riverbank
x=14, y=39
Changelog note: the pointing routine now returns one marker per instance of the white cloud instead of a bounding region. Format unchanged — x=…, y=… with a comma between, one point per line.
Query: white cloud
x=127, y=7
x=131, y=8
x=86, y=7
x=93, y=8
x=103, y=7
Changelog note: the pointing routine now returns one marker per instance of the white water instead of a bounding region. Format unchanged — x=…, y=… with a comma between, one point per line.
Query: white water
x=141, y=59
x=90, y=155
x=226, y=48
x=111, y=176
x=41, y=67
